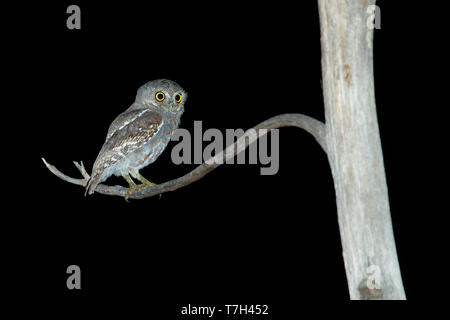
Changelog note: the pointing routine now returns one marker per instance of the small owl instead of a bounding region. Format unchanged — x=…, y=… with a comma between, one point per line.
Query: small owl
x=139, y=135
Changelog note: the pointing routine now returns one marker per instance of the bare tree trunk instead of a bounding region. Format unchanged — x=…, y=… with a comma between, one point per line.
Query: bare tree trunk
x=354, y=151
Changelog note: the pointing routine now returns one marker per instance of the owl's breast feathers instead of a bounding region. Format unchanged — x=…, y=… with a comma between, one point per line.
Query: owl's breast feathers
x=127, y=133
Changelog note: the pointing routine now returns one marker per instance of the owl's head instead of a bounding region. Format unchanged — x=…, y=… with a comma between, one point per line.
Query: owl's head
x=162, y=93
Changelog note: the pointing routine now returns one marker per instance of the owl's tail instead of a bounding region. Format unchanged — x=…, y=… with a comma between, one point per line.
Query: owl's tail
x=92, y=184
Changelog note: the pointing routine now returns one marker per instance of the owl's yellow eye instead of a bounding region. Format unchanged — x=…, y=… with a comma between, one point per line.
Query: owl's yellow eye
x=160, y=96
x=178, y=98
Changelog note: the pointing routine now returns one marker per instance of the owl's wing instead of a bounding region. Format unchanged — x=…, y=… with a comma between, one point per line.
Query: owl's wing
x=131, y=133
x=123, y=120
x=126, y=134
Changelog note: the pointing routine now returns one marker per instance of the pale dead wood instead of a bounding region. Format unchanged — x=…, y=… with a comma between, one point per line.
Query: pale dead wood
x=354, y=151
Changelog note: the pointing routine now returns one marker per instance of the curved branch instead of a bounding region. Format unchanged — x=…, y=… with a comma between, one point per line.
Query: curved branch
x=313, y=126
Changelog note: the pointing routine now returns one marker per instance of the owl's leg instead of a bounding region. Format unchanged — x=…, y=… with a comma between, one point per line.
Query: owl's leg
x=144, y=182
x=131, y=183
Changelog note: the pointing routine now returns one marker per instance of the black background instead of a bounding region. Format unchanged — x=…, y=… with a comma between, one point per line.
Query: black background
x=235, y=236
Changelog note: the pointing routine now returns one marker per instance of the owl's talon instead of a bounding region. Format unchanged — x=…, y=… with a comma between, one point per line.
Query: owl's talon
x=131, y=183
x=146, y=185
x=144, y=182
x=138, y=187
x=130, y=191
x=133, y=186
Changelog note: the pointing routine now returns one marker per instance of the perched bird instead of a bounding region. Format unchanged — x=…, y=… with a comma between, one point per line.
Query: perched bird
x=140, y=134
